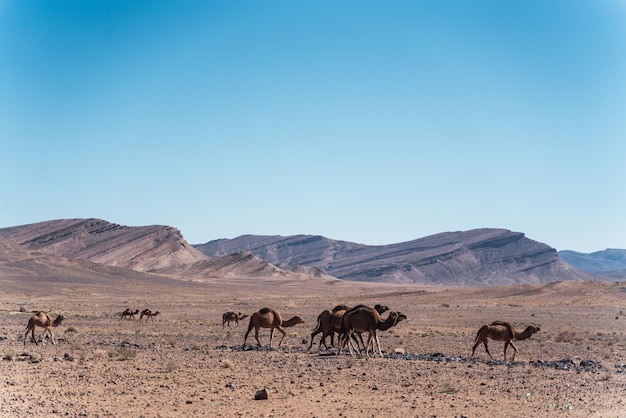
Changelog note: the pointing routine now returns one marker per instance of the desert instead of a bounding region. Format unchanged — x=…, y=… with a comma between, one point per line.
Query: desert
x=143, y=331
x=185, y=362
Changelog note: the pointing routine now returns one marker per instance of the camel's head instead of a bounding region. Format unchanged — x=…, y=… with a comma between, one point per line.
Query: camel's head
x=381, y=308
x=397, y=317
x=58, y=320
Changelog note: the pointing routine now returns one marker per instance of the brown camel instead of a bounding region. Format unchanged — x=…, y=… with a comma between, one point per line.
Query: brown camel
x=367, y=320
x=148, y=314
x=502, y=331
x=42, y=320
x=330, y=322
x=269, y=318
x=229, y=317
x=128, y=313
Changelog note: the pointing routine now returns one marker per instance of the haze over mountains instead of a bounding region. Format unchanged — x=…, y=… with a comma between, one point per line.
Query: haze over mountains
x=610, y=262
x=481, y=257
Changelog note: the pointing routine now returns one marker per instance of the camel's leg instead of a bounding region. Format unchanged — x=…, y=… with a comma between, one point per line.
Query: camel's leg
x=362, y=343
x=377, y=343
x=322, y=341
x=47, y=331
x=282, y=331
x=346, y=341
x=316, y=331
x=514, y=351
x=247, y=332
x=474, y=347
x=367, y=347
x=487, y=349
x=32, y=336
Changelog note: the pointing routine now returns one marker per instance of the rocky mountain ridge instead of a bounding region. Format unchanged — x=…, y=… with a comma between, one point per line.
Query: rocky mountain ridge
x=148, y=249
x=480, y=257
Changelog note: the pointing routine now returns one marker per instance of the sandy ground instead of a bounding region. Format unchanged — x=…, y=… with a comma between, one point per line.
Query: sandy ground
x=185, y=363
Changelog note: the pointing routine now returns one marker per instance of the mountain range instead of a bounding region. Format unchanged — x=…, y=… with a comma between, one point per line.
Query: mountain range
x=480, y=257
x=610, y=262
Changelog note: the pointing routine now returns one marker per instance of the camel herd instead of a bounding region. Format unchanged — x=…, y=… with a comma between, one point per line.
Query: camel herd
x=347, y=322
x=129, y=314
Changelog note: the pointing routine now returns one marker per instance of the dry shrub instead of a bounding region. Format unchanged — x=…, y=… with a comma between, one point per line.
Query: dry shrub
x=567, y=336
x=123, y=353
x=226, y=364
x=171, y=366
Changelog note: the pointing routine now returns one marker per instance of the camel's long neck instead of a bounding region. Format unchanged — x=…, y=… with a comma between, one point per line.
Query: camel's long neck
x=290, y=322
x=523, y=335
x=388, y=323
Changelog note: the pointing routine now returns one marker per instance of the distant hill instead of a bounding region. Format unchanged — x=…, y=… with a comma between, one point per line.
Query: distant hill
x=480, y=257
x=154, y=249
x=142, y=248
x=610, y=262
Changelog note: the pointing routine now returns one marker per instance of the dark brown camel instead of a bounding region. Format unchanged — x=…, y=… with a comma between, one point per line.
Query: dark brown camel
x=128, y=313
x=269, y=318
x=148, y=314
x=229, y=317
x=502, y=331
x=329, y=322
x=367, y=320
x=42, y=320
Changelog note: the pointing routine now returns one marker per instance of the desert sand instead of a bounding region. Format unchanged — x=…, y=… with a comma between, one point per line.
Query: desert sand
x=184, y=362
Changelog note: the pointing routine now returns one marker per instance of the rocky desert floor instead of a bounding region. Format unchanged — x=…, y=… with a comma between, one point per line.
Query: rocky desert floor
x=186, y=363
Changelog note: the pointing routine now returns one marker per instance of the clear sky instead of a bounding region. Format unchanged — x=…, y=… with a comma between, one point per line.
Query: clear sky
x=367, y=121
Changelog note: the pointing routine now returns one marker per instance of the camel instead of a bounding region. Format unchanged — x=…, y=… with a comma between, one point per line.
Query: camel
x=502, y=331
x=269, y=318
x=42, y=320
x=148, y=314
x=229, y=317
x=367, y=320
x=128, y=313
x=329, y=322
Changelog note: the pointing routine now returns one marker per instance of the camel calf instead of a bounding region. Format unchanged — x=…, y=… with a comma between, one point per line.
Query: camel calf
x=42, y=320
x=502, y=331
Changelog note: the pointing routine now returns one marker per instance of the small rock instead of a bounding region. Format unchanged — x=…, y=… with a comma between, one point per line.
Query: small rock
x=260, y=395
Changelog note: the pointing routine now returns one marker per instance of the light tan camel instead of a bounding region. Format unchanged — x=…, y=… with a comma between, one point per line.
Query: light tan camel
x=148, y=314
x=367, y=320
x=269, y=318
x=42, y=320
x=502, y=331
x=128, y=313
x=229, y=317
x=329, y=322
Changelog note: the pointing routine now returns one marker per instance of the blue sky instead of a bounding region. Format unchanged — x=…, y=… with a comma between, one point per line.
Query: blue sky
x=366, y=121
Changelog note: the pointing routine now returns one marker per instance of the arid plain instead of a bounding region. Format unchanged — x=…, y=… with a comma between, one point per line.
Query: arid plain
x=186, y=363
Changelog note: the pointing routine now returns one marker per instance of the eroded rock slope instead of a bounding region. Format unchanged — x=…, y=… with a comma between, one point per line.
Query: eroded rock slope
x=144, y=248
x=480, y=257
